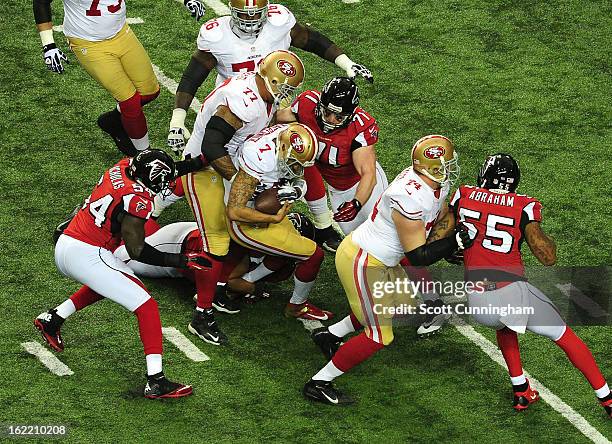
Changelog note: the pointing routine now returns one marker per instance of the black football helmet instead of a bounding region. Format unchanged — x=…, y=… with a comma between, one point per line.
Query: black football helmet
x=340, y=96
x=153, y=169
x=499, y=172
x=301, y=223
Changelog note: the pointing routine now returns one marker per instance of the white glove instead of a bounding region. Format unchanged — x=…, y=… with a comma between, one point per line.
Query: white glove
x=178, y=134
x=300, y=186
x=287, y=194
x=196, y=8
x=353, y=69
x=53, y=57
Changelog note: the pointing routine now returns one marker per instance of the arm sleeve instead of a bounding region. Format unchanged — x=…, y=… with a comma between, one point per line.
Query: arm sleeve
x=430, y=253
x=193, y=77
x=317, y=43
x=218, y=134
x=42, y=11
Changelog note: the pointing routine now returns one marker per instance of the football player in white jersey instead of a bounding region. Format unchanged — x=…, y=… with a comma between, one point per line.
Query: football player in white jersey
x=239, y=107
x=238, y=42
x=277, y=156
x=106, y=47
x=370, y=257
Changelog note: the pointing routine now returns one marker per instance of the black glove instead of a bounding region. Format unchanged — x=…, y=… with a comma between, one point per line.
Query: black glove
x=362, y=71
x=462, y=236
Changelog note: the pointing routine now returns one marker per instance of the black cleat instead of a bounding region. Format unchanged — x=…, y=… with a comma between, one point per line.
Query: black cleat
x=223, y=303
x=325, y=392
x=110, y=123
x=327, y=342
x=606, y=403
x=328, y=238
x=433, y=322
x=204, y=326
x=158, y=387
x=49, y=323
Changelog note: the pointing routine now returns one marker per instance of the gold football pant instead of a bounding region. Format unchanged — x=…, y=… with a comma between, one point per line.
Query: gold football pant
x=120, y=64
x=205, y=191
x=363, y=276
x=280, y=239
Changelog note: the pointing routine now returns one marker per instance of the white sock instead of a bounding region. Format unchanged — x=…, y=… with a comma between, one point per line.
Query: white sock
x=518, y=380
x=154, y=364
x=603, y=391
x=342, y=328
x=200, y=309
x=257, y=274
x=328, y=373
x=142, y=143
x=320, y=211
x=66, y=308
x=300, y=291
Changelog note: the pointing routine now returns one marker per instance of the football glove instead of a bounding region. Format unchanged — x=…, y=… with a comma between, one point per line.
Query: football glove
x=287, y=194
x=348, y=211
x=455, y=258
x=195, y=261
x=300, y=186
x=463, y=237
x=196, y=8
x=53, y=57
x=361, y=71
x=177, y=137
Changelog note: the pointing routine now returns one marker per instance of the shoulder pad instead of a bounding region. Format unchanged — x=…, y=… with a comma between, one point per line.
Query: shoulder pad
x=211, y=32
x=280, y=16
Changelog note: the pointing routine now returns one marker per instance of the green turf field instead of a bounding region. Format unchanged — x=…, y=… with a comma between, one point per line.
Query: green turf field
x=529, y=78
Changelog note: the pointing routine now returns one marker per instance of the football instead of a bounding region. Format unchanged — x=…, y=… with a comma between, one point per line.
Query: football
x=267, y=201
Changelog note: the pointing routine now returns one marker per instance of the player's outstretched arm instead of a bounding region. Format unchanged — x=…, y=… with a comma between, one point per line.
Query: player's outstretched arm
x=542, y=246
x=313, y=41
x=197, y=71
x=364, y=160
x=52, y=55
x=243, y=187
x=285, y=115
x=133, y=234
x=196, y=7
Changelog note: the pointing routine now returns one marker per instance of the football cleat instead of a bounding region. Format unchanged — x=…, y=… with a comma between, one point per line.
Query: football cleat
x=110, y=123
x=222, y=302
x=523, y=399
x=49, y=323
x=327, y=342
x=328, y=238
x=307, y=311
x=433, y=322
x=159, y=387
x=204, y=326
x=607, y=405
x=325, y=392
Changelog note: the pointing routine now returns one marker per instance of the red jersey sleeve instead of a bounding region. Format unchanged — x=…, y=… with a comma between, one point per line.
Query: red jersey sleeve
x=366, y=129
x=533, y=211
x=138, y=206
x=308, y=98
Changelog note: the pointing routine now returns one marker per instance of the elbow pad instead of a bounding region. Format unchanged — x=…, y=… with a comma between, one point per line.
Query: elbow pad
x=218, y=133
x=193, y=77
x=317, y=43
x=430, y=253
x=42, y=11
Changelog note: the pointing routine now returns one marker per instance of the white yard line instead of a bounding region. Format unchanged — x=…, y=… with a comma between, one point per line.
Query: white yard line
x=348, y=2
x=575, y=418
x=220, y=8
x=48, y=359
x=181, y=342
x=579, y=298
x=130, y=20
x=171, y=86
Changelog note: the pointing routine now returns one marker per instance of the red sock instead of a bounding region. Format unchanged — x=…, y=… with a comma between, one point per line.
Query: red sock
x=84, y=296
x=509, y=346
x=307, y=271
x=315, y=187
x=582, y=358
x=355, y=351
x=148, y=98
x=149, y=326
x=206, y=282
x=356, y=324
x=132, y=117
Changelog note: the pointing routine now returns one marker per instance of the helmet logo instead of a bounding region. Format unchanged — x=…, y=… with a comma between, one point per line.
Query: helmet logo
x=297, y=144
x=286, y=68
x=159, y=170
x=434, y=152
